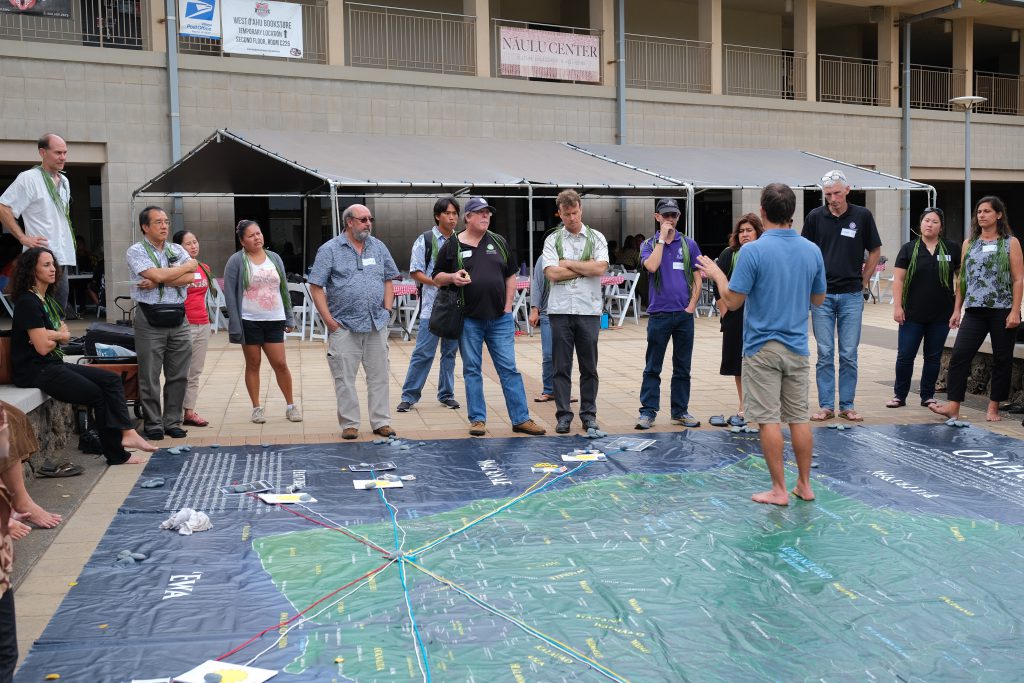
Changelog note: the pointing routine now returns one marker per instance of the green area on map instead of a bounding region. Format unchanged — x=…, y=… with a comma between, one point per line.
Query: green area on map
x=663, y=578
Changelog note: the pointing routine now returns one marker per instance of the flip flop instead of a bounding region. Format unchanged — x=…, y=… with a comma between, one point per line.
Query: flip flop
x=850, y=415
x=717, y=421
x=64, y=469
x=823, y=414
x=896, y=403
x=544, y=398
x=196, y=421
x=929, y=402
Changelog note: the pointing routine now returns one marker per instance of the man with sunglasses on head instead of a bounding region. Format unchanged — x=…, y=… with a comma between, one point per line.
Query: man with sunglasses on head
x=843, y=232
x=351, y=287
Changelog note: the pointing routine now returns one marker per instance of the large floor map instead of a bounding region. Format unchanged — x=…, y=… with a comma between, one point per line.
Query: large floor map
x=651, y=566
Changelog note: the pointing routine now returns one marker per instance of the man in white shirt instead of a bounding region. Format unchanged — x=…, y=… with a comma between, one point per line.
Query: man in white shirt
x=575, y=258
x=41, y=197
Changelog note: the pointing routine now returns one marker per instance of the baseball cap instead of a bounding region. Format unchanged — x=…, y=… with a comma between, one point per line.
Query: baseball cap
x=477, y=204
x=667, y=206
x=832, y=177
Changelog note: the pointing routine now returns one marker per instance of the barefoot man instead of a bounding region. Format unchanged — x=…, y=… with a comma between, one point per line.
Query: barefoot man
x=781, y=274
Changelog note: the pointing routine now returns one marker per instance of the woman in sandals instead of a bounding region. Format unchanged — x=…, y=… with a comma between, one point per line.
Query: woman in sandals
x=923, y=293
x=37, y=360
x=991, y=284
x=747, y=229
x=199, y=297
x=259, y=314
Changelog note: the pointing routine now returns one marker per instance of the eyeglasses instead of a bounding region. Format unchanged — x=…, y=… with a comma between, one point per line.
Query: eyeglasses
x=669, y=214
x=364, y=220
x=935, y=209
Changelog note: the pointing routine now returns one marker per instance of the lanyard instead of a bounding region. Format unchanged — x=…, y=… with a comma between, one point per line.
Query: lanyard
x=53, y=314
x=58, y=202
x=171, y=259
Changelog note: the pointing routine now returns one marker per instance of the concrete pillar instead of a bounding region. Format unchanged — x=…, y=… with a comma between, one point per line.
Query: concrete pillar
x=709, y=19
x=481, y=9
x=745, y=201
x=963, y=54
x=805, y=39
x=889, y=52
x=602, y=18
x=336, y=33
x=157, y=25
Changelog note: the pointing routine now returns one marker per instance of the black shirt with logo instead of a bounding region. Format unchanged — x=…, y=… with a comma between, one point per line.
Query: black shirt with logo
x=928, y=301
x=843, y=241
x=488, y=267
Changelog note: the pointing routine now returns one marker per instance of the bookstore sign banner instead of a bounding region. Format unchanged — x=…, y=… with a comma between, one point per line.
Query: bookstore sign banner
x=549, y=54
x=267, y=29
x=45, y=8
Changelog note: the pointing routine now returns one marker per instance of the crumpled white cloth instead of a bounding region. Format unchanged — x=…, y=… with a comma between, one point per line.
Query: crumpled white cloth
x=187, y=520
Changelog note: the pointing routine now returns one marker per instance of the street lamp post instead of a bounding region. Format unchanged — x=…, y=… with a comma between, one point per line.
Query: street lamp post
x=968, y=102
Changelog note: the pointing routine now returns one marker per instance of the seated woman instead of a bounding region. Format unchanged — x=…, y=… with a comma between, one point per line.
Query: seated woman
x=38, y=361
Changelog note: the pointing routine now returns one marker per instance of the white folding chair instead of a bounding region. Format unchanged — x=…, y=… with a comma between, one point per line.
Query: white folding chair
x=299, y=310
x=521, y=309
x=406, y=311
x=219, y=322
x=623, y=297
x=7, y=304
x=706, y=302
x=317, y=326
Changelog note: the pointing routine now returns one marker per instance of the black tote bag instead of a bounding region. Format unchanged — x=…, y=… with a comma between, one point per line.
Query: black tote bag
x=446, y=316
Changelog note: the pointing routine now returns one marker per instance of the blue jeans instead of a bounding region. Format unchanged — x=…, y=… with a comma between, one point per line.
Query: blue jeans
x=421, y=361
x=677, y=326
x=911, y=333
x=547, y=368
x=499, y=334
x=839, y=315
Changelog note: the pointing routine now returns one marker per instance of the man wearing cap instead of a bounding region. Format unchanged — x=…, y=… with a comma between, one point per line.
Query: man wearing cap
x=479, y=264
x=843, y=232
x=41, y=197
x=575, y=258
x=674, y=290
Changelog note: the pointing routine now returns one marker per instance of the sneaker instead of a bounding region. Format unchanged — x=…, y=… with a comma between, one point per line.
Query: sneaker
x=384, y=431
x=563, y=425
x=644, y=422
x=404, y=407
x=257, y=415
x=294, y=414
x=451, y=403
x=686, y=420
x=529, y=427
x=590, y=423
x=478, y=428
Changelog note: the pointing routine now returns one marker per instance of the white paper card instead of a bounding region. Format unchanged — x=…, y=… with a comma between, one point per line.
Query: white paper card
x=369, y=262
x=678, y=265
x=285, y=498
x=361, y=484
x=849, y=232
x=467, y=253
x=945, y=257
x=987, y=248
x=229, y=672
x=584, y=457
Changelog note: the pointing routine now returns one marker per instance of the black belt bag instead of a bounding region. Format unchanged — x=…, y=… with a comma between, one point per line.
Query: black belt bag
x=163, y=315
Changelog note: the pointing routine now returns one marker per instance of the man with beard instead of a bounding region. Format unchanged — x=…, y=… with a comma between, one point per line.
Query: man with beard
x=351, y=287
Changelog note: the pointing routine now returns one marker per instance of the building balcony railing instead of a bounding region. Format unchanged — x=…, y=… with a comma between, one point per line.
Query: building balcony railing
x=411, y=40
x=496, y=65
x=1005, y=93
x=97, y=23
x=853, y=81
x=932, y=87
x=763, y=72
x=659, y=63
x=314, y=37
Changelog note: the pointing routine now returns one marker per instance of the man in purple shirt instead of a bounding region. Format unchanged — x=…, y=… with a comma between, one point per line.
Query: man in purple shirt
x=674, y=288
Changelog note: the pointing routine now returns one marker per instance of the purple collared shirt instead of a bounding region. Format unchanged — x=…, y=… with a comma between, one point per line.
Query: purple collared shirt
x=674, y=293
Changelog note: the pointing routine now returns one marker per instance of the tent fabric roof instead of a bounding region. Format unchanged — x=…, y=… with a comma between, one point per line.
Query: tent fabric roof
x=264, y=162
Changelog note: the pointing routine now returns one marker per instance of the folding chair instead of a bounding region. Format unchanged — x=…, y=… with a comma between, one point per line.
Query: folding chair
x=521, y=309
x=298, y=292
x=219, y=322
x=623, y=297
x=706, y=302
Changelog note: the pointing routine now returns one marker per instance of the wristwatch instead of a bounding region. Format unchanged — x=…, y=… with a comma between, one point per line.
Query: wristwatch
x=661, y=241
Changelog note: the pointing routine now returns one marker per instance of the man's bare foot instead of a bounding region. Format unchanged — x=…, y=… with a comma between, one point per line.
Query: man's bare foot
x=992, y=416
x=19, y=530
x=803, y=492
x=944, y=410
x=132, y=439
x=772, y=497
x=38, y=516
x=136, y=460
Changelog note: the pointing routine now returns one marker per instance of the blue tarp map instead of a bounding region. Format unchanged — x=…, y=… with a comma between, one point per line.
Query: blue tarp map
x=650, y=566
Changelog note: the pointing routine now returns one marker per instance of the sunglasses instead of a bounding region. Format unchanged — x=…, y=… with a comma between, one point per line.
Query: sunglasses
x=832, y=177
x=364, y=220
x=937, y=210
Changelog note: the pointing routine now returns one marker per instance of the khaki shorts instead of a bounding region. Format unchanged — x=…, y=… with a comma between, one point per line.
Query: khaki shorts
x=775, y=384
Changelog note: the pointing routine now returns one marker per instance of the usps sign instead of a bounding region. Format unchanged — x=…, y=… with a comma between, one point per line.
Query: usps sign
x=199, y=18
x=269, y=29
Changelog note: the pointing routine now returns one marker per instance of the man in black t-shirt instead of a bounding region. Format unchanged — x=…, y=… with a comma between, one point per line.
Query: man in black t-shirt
x=843, y=232
x=479, y=264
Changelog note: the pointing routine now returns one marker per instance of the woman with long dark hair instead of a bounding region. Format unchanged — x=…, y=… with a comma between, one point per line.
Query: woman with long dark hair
x=990, y=287
x=200, y=297
x=37, y=360
x=924, y=292
x=259, y=314
x=747, y=229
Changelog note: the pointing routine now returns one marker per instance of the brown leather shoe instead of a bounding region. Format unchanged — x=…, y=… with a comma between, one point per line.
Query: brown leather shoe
x=384, y=431
x=350, y=433
x=529, y=427
x=478, y=429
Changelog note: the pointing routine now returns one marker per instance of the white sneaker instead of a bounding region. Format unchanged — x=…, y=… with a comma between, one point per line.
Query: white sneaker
x=293, y=414
x=257, y=415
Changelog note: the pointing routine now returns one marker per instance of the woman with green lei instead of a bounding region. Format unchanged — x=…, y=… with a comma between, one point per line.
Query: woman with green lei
x=37, y=360
x=990, y=289
x=924, y=291
x=259, y=313
x=747, y=229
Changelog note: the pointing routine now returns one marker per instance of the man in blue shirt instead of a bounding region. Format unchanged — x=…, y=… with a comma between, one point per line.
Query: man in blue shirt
x=424, y=253
x=781, y=274
x=674, y=288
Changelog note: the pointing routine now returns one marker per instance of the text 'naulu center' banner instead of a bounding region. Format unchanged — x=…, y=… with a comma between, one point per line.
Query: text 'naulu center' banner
x=270, y=29
x=44, y=8
x=548, y=54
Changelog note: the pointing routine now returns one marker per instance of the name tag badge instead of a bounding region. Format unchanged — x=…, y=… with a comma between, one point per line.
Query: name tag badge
x=988, y=248
x=678, y=265
x=467, y=253
x=197, y=275
x=849, y=232
x=369, y=262
x=945, y=257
